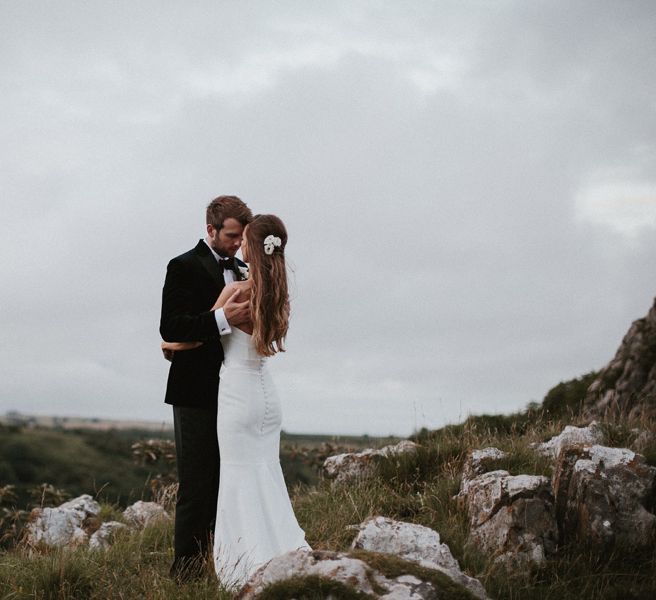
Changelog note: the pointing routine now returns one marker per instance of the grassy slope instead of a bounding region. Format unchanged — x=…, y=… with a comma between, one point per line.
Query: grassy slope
x=417, y=489
x=101, y=463
x=420, y=489
x=80, y=462
x=135, y=567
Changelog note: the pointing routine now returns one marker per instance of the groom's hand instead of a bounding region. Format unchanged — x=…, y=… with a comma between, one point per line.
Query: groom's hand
x=235, y=312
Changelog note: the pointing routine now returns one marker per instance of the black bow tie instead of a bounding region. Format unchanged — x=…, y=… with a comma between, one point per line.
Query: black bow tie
x=228, y=263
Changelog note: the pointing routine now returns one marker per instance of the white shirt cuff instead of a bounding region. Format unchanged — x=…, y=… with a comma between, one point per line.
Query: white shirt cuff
x=222, y=322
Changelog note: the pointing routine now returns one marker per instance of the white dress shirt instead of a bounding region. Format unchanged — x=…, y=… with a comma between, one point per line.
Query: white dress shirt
x=219, y=315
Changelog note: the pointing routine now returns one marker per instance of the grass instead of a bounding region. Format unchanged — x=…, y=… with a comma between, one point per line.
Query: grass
x=417, y=488
x=579, y=574
x=311, y=588
x=73, y=460
x=136, y=566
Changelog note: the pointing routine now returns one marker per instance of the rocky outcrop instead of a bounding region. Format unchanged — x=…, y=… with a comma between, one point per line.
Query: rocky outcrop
x=572, y=436
x=63, y=526
x=511, y=516
x=354, y=573
x=605, y=497
x=627, y=385
x=416, y=543
x=76, y=523
x=602, y=496
x=352, y=466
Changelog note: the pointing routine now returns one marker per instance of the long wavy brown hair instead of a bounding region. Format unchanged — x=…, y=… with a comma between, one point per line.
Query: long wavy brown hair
x=269, y=295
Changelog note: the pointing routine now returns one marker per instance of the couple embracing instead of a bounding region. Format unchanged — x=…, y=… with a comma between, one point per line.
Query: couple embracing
x=221, y=320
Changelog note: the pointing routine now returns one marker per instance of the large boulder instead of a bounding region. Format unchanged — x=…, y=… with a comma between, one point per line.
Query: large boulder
x=572, y=436
x=416, y=543
x=511, y=516
x=605, y=497
x=62, y=526
x=351, y=466
x=354, y=574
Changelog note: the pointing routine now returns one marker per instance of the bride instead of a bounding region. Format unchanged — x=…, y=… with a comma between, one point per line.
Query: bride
x=255, y=520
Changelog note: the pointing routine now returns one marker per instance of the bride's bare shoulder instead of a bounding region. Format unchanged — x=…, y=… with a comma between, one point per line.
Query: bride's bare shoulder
x=244, y=287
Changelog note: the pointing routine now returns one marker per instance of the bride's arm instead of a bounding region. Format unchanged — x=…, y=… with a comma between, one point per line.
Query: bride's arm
x=175, y=346
x=170, y=348
x=235, y=292
x=230, y=293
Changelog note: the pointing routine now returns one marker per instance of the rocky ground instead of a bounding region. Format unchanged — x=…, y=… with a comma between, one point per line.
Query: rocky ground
x=598, y=495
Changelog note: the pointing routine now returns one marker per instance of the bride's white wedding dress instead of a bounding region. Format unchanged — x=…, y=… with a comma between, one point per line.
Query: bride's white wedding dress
x=255, y=520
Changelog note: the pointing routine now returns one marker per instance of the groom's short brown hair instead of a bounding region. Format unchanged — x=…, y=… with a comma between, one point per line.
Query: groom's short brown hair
x=227, y=207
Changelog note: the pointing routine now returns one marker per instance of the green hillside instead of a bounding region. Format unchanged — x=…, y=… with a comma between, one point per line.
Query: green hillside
x=80, y=462
x=103, y=464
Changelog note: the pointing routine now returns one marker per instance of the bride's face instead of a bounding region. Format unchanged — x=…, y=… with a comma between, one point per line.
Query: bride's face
x=244, y=245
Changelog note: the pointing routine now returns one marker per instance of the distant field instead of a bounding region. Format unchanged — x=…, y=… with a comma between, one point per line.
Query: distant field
x=16, y=418
x=97, y=458
x=165, y=429
x=314, y=440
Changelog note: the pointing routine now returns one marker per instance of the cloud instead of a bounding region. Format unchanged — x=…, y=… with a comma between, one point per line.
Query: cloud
x=628, y=208
x=463, y=185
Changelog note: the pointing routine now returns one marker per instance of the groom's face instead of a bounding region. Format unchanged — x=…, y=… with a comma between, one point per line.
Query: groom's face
x=227, y=240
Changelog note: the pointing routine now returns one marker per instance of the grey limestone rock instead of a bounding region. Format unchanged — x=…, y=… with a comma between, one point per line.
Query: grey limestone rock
x=414, y=542
x=142, y=514
x=351, y=466
x=627, y=385
x=338, y=566
x=572, y=436
x=61, y=526
x=605, y=496
x=477, y=463
x=103, y=537
x=511, y=516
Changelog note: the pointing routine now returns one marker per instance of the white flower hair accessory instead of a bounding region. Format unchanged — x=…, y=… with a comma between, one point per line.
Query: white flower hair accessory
x=270, y=243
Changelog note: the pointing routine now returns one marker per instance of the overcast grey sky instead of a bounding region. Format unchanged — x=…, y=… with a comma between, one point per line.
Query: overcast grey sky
x=469, y=189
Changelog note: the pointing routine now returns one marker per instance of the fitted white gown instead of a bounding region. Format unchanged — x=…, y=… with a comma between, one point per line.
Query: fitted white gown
x=255, y=520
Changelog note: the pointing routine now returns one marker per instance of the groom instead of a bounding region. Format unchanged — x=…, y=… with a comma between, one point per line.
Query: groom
x=193, y=282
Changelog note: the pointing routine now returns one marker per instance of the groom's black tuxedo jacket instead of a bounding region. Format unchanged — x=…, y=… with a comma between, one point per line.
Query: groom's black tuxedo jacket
x=193, y=283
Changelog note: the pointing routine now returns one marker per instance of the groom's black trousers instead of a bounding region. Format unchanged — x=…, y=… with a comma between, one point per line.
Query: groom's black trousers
x=197, y=453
